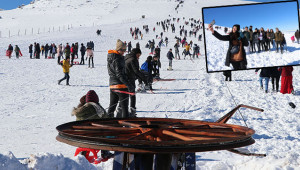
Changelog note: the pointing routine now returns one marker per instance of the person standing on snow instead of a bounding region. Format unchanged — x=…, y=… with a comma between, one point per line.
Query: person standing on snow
x=278, y=40
x=46, y=50
x=59, y=53
x=66, y=69
x=265, y=74
x=82, y=51
x=170, y=56
x=275, y=75
x=132, y=71
x=176, y=46
x=30, y=50
x=129, y=46
x=90, y=55
x=17, y=51
x=236, y=39
x=118, y=80
x=286, y=80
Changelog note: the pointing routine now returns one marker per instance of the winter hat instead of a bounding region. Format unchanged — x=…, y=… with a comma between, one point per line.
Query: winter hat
x=136, y=51
x=149, y=58
x=92, y=96
x=120, y=45
x=237, y=26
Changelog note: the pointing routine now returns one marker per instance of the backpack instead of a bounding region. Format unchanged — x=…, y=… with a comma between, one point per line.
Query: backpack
x=145, y=66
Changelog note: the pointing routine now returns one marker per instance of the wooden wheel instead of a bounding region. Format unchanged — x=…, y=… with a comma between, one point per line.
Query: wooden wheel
x=154, y=135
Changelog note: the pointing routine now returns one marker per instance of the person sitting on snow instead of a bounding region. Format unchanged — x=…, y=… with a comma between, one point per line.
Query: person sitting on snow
x=90, y=108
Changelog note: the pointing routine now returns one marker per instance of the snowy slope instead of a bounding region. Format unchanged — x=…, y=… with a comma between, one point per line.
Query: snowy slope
x=32, y=104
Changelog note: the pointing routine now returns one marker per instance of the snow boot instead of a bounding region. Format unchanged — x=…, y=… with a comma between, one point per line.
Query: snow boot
x=119, y=112
x=170, y=68
x=106, y=154
x=132, y=112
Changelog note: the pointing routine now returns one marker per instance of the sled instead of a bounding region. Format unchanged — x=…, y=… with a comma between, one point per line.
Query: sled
x=75, y=63
x=92, y=159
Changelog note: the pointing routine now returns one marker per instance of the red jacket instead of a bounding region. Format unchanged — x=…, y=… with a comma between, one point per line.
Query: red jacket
x=286, y=71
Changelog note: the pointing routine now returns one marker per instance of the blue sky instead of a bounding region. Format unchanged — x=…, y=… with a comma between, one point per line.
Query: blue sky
x=282, y=15
x=12, y=4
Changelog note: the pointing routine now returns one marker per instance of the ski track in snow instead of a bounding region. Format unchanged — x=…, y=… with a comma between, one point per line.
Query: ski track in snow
x=33, y=104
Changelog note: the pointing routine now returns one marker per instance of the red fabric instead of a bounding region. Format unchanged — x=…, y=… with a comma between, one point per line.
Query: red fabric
x=286, y=84
x=8, y=53
x=286, y=71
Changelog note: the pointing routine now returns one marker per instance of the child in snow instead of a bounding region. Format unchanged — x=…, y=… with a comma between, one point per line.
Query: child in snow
x=66, y=69
x=90, y=108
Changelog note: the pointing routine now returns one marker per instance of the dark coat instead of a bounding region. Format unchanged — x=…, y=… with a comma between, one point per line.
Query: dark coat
x=116, y=69
x=275, y=72
x=229, y=38
x=132, y=68
x=286, y=71
x=265, y=72
x=170, y=55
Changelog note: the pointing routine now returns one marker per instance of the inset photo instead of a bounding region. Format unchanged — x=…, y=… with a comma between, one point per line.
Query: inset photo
x=251, y=36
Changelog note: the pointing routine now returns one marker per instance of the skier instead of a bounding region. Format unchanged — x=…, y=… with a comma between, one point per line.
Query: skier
x=132, y=71
x=170, y=56
x=118, y=80
x=82, y=51
x=66, y=69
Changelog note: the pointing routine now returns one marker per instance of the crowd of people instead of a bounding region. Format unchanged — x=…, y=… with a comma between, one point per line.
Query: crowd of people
x=274, y=73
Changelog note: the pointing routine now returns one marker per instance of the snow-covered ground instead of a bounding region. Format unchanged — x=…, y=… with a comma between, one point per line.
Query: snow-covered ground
x=216, y=58
x=32, y=104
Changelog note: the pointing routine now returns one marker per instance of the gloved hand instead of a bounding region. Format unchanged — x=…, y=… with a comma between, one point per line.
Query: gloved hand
x=131, y=88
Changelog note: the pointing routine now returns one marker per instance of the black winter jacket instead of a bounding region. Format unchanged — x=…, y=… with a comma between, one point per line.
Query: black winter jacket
x=228, y=38
x=265, y=72
x=116, y=69
x=132, y=68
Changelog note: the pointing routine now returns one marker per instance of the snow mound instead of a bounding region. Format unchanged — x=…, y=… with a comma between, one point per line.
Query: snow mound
x=9, y=161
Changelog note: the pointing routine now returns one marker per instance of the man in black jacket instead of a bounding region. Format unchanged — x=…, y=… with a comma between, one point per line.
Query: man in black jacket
x=118, y=80
x=132, y=71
